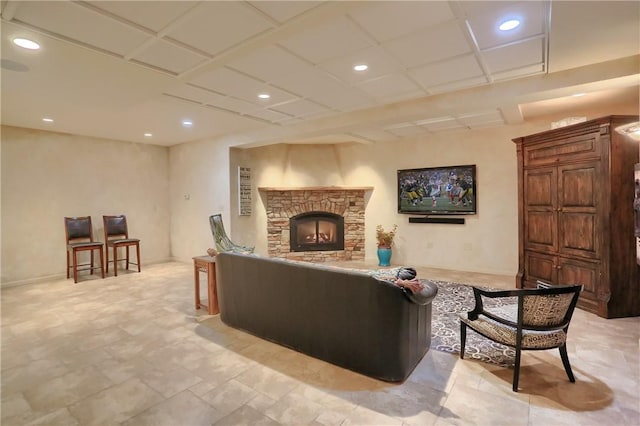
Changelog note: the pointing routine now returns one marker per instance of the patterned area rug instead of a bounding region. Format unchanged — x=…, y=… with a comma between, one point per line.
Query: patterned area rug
x=453, y=299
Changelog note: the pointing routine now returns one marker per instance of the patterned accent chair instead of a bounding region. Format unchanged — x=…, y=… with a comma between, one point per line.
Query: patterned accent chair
x=221, y=240
x=538, y=320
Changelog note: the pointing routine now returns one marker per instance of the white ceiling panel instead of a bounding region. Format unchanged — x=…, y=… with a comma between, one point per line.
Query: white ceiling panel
x=301, y=108
x=233, y=104
x=308, y=84
x=282, y=11
x=407, y=131
x=168, y=56
x=375, y=134
x=446, y=72
x=519, y=72
x=392, y=85
x=485, y=25
x=440, y=124
x=164, y=12
x=196, y=94
x=379, y=62
x=458, y=85
x=270, y=64
x=515, y=56
x=481, y=119
x=347, y=99
x=229, y=82
x=321, y=43
x=77, y=22
x=269, y=115
x=386, y=20
x=427, y=45
x=217, y=25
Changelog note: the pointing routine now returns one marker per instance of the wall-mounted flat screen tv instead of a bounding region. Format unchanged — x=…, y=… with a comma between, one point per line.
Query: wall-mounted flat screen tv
x=448, y=190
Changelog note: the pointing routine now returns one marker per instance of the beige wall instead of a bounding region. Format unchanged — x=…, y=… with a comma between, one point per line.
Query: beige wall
x=199, y=175
x=47, y=176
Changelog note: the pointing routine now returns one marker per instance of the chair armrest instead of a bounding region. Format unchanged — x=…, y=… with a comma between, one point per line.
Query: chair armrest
x=479, y=307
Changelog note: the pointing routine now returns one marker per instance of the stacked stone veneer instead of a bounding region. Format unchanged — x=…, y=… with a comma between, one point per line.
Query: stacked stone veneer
x=282, y=204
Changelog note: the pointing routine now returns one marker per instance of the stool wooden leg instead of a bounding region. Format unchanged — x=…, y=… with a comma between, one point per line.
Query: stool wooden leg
x=138, y=255
x=75, y=266
x=102, y=262
x=107, y=258
x=196, y=280
x=115, y=261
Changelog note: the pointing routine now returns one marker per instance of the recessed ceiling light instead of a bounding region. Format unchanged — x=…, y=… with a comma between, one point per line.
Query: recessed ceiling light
x=187, y=123
x=264, y=96
x=48, y=120
x=577, y=95
x=509, y=25
x=26, y=43
x=361, y=67
x=148, y=135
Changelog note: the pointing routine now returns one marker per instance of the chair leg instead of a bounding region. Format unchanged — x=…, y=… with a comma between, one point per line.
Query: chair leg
x=91, y=270
x=127, y=258
x=565, y=362
x=115, y=261
x=463, y=338
x=102, y=261
x=138, y=255
x=75, y=266
x=68, y=264
x=516, y=370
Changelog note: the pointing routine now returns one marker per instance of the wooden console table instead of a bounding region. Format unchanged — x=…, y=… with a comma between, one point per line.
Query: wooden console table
x=206, y=264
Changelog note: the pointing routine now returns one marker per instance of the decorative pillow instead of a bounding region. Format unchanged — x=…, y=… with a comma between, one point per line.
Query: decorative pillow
x=407, y=273
x=389, y=274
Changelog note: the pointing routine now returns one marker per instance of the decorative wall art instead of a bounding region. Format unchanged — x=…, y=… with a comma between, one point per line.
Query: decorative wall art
x=244, y=191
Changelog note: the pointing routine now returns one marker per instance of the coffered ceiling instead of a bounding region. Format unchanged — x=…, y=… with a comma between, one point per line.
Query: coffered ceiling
x=120, y=69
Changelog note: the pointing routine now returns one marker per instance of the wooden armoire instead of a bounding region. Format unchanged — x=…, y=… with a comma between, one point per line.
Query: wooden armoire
x=576, y=216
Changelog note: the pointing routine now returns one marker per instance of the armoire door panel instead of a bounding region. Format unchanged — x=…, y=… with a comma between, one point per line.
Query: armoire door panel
x=572, y=271
x=540, y=267
x=577, y=186
x=540, y=188
x=541, y=230
x=578, y=235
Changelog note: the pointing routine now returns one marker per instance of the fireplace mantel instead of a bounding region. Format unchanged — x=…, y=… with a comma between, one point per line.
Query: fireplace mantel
x=315, y=188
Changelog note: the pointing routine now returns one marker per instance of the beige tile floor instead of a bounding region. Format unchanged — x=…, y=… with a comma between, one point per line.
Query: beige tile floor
x=132, y=350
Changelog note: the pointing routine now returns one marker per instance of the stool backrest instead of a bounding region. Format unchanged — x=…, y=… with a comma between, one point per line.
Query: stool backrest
x=78, y=228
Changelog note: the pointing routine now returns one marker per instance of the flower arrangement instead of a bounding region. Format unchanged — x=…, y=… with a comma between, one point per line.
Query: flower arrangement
x=385, y=239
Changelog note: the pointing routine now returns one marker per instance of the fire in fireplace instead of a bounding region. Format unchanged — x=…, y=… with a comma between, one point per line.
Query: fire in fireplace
x=316, y=231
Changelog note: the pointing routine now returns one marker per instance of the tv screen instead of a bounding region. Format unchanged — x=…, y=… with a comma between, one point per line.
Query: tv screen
x=438, y=190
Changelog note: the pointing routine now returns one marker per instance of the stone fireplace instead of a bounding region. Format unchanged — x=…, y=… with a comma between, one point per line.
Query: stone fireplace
x=328, y=223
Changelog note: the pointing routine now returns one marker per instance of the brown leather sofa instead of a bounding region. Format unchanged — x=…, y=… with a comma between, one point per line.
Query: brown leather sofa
x=345, y=317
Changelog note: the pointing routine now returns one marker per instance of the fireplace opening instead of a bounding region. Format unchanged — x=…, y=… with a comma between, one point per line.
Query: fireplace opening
x=316, y=231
